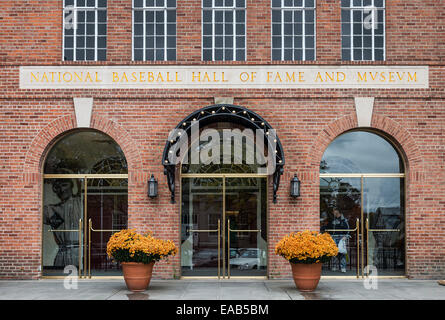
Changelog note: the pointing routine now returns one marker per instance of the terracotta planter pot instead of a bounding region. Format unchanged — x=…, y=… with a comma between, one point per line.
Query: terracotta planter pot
x=306, y=276
x=137, y=275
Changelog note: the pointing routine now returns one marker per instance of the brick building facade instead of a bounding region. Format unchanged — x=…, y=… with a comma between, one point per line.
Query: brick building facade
x=307, y=120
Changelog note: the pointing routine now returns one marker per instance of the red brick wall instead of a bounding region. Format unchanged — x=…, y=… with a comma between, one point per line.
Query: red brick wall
x=139, y=120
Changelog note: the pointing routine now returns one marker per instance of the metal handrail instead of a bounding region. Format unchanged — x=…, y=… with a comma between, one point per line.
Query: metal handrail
x=228, y=243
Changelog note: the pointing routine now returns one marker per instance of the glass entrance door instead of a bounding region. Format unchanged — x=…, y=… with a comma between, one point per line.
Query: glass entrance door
x=367, y=213
x=80, y=213
x=223, y=223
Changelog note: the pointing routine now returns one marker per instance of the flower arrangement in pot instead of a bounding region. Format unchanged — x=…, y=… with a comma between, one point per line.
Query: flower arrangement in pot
x=306, y=251
x=137, y=254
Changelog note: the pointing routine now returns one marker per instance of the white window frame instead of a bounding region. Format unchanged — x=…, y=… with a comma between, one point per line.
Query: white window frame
x=155, y=9
x=75, y=9
x=233, y=8
x=293, y=9
x=352, y=9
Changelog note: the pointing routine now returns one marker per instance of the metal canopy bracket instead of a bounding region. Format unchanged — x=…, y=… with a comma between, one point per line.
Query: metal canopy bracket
x=223, y=113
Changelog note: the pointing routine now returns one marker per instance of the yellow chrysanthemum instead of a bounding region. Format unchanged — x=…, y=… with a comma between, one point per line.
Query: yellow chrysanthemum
x=306, y=245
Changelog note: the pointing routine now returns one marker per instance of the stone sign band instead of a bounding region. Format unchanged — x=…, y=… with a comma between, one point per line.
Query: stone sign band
x=232, y=77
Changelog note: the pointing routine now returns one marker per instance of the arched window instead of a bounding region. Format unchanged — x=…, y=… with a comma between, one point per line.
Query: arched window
x=362, y=203
x=85, y=199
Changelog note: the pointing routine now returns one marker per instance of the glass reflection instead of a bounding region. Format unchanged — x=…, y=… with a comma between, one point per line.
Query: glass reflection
x=340, y=207
x=62, y=210
x=361, y=152
x=384, y=208
x=86, y=152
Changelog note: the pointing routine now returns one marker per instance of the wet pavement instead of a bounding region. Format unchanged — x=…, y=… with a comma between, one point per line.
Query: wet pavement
x=329, y=289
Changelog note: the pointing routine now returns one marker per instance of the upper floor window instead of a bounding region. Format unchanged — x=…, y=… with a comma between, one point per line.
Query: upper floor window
x=293, y=29
x=154, y=30
x=363, y=30
x=224, y=30
x=85, y=30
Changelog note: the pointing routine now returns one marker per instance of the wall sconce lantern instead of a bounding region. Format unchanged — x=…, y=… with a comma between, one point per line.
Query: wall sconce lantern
x=295, y=187
x=152, y=187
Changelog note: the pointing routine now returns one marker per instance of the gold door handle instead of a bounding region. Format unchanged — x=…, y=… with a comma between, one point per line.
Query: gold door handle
x=228, y=243
x=91, y=229
x=219, y=243
x=356, y=229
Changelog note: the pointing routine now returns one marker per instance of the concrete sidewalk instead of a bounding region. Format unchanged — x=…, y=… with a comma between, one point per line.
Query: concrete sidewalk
x=387, y=289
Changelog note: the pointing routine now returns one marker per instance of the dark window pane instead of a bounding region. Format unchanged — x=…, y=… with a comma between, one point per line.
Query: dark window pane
x=357, y=42
x=138, y=16
x=378, y=3
x=367, y=54
x=102, y=3
x=207, y=29
x=219, y=3
x=357, y=3
x=218, y=29
x=81, y=3
x=69, y=2
x=149, y=29
x=367, y=42
x=378, y=55
x=287, y=16
x=378, y=42
x=276, y=16
x=346, y=15
x=276, y=54
x=310, y=55
x=171, y=54
x=171, y=16
x=102, y=29
x=288, y=3
x=207, y=42
x=219, y=42
x=138, y=55
x=80, y=42
x=228, y=29
x=91, y=16
x=357, y=54
x=346, y=42
x=149, y=16
x=240, y=29
x=138, y=42
x=228, y=16
x=90, y=54
x=309, y=15
x=240, y=55
x=90, y=42
x=159, y=54
x=171, y=29
x=345, y=3
x=228, y=42
x=298, y=42
x=80, y=16
x=228, y=3
x=287, y=54
x=309, y=3
x=207, y=16
x=309, y=42
x=240, y=16
x=345, y=29
x=276, y=29
x=149, y=55
x=240, y=42
x=207, y=3
x=150, y=42
x=298, y=29
x=150, y=3
x=276, y=42
x=298, y=54
x=361, y=152
x=69, y=42
x=218, y=54
x=357, y=16
x=160, y=31
x=288, y=28
x=298, y=16
x=171, y=42
x=346, y=55
x=276, y=3
x=219, y=16
x=367, y=3
x=228, y=55
x=288, y=42
x=159, y=42
x=91, y=29
x=240, y=3
x=138, y=29
x=159, y=16
x=380, y=29
x=80, y=54
x=207, y=55
x=159, y=3
x=309, y=29
x=102, y=16
x=138, y=3
x=68, y=55
x=357, y=28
